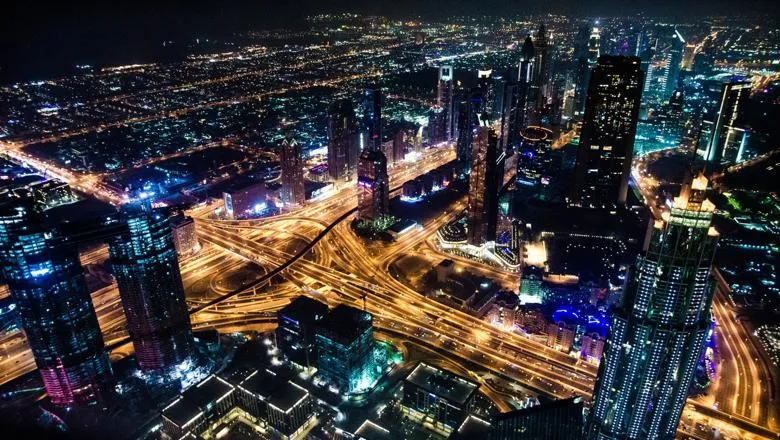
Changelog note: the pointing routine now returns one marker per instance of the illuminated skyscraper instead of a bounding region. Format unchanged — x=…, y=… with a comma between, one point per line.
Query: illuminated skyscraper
x=373, y=187
x=658, y=335
x=444, y=100
x=293, y=191
x=48, y=287
x=467, y=122
x=541, y=67
x=146, y=269
x=594, y=47
x=726, y=144
x=437, y=125
x=372, y=118
x=608, y=129
x=674, y=62
x=483, y=186
x=582, y=69
x=509, y=116
x=399, y=146
x=342, y=140
x=525, y=78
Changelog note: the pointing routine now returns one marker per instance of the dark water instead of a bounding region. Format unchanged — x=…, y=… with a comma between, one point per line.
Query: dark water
x=47, y=39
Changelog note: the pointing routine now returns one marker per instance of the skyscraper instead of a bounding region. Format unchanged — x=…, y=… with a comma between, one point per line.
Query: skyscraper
x=541, y=67
x=399, y=146
x=437, y=125
x=525, y=78
x=444, y=100
x=674, y=62
x=726, y=144
x=372, y=117
x=146, y=269
x=559, y=420
x=48, y=287
x=483, y=186
x=608, y=129
x=509, y=116
x=373, y=186
x=342, y=140
x=658, y=335
x=467, y=121
x=293, y=191
x=582, y=69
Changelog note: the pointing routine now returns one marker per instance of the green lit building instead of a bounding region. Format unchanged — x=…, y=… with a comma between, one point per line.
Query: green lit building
x=347, y=352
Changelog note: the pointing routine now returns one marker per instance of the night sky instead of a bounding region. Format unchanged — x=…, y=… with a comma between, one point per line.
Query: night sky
x=46, y=38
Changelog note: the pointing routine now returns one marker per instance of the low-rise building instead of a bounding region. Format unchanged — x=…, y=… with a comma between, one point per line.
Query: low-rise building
x=437, y=397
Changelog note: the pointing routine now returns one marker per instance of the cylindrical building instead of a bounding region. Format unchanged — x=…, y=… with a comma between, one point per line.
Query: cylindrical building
x=48, y=286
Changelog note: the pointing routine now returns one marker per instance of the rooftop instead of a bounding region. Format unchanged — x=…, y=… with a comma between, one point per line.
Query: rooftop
x=369, y=430
x=345, y=324
x=193, y=402
x=282, y=395
x=442, y=383
x=304, y=308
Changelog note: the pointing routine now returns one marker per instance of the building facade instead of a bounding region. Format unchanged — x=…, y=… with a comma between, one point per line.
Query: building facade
x=559, y=420
x=293, y=188
x=608, y=129
x=483, y=190
x=658, y=335
x=372, y=118
x=146, y=268
x=373, y=186
x=725, y=144
x=295, y=334
x=47, y=284
x=342, y=140
x=345, y=343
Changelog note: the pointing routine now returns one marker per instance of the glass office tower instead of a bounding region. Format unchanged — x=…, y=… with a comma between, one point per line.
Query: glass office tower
x=658, y=335
x=342, y=140
x=608, y=129
x=146, y=269
x=373, y=186
x=48, y=286
x=483, y=186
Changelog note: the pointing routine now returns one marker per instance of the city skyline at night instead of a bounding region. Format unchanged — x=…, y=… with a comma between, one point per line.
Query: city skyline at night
x=407, y=221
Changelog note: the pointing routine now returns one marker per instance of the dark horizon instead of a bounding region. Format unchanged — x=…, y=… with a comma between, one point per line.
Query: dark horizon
x=47, y=39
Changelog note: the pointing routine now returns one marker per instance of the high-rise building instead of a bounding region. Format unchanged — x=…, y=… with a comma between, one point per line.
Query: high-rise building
x=726, y=144
x=525, y=78
x=437, y=125
x=509, y=117
x=345, y=342
x=444, y=100
x=342, y=140
x=399, y=146
x=467, y=122
x=534, y=156
x=541, y=66
x=674, y=62
x=581, y=69
x=608, y=129
x=146, y=268
x=47, y=285
x=559, y=420
x=372, y=118
x=373, y=186
x=185, y=237
x=483, y=186
x=659, y=333
x=297, y=328
x=293, y=188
